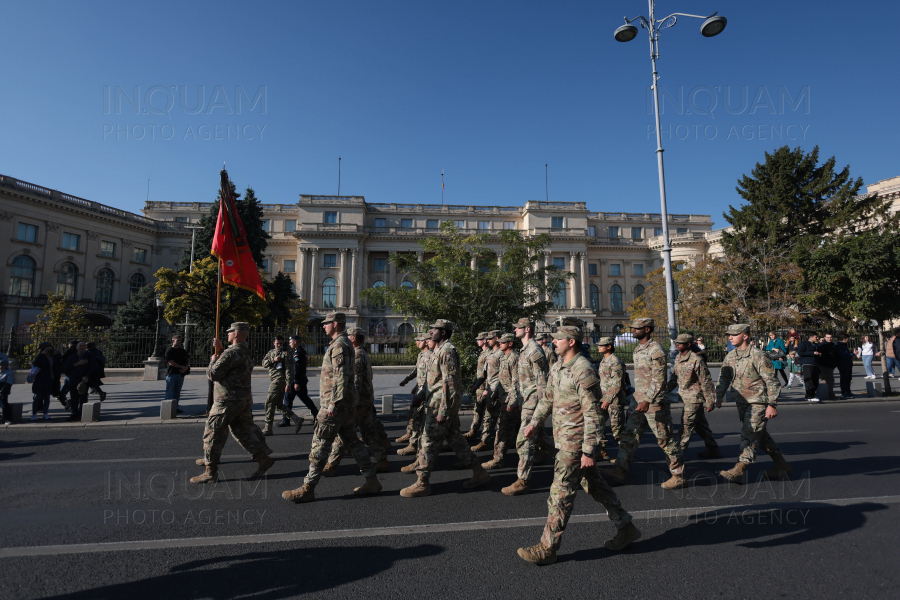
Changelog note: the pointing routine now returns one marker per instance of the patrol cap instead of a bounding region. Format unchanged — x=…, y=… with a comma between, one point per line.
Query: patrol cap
x=684, y=338
x=607, y=341
x=239, y=326
x=480, y=336
x=335, y=317
x=421, y=337
x=642, y=322
x=356, y=331
x=737, y=328
x=443, y=324
x=568, y=332
x=524, y=322
x=548, y=336
x=507, y=338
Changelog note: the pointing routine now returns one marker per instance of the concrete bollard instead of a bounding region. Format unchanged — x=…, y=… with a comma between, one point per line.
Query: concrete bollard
x=168, y=409
x=90, y=412
x=874, y=389
x=387, y=404
x=15, y=412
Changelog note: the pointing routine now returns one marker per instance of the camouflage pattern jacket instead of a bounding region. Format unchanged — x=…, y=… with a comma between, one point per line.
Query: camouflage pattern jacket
x=572, y=397
x=751, y=374
x=231, y=374
x=694, y=381
x=550, y=353
x=479, y=369
x=337, y=389
x=422, y=361
x=365, y=390
x=491, y=372
x=284, y=375
x=509, y=378
x=443, y=371
x=612, y=379
x=533, y=369
x=650, y=373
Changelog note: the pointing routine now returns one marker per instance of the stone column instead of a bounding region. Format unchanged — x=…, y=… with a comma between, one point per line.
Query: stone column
x=314, y=279
x=584, y=281
x=546, y=262
x=342, y=277
x=301, y=272
x=354, y=279
x=392, y=271
x=573, y=302
x=499, y=261
x=421, y=260
x=474, y=263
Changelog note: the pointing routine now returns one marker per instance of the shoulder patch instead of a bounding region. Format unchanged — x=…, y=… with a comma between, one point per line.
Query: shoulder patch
x=588, y=379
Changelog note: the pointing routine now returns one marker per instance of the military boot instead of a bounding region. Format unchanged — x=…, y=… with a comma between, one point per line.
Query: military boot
x=296, y=421
x=479, y=477
x=264, y=464
x=736, y=474
x=411, y=449
x=494, y=463
x=404, y=438
x=781, y=468
x=482, y=445
x=304, y=493
x=710, y=453
x=538, y=555
x=673, y=483
x=371, y=486
x=267, y=430
x=519, y=488
x=330, y=470
x=383, y=466
x=624, y=536
x=470, y=434
x=209, y=476
x=200, y=462
x=410, y=468
x=615, y=473
x=417, y=490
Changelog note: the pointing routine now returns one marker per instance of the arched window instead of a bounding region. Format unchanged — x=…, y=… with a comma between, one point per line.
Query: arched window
x=406, y=285
x=595, y=298
x=22, y=281
x=329, y=293
x=67, y=280
x=559, y=298
x=136, y=282
x=405, y=331
x=638, y=291
x=375, y=304
x=615, y=298
x=104, y=286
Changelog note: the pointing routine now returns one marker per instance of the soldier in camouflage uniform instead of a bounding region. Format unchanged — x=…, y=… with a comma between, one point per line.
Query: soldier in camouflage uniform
x=650, y=406
x=476, y=393
x=337, y=417
x=755, y=389
x=532, y=380
x=509, y=414
x=416, y=409
x=365, y=410
x=443, y=395
x=232, y=406
x=691, y=375
x=489, y=378
x=545, y=342
x=279, y=362
x=612, y=381
x=572, y=397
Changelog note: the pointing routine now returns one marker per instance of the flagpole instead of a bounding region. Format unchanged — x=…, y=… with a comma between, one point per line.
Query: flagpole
x=218, y=301
x=442, y=187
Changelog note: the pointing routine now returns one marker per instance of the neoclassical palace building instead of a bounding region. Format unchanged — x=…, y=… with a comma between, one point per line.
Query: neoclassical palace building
x=333, y=247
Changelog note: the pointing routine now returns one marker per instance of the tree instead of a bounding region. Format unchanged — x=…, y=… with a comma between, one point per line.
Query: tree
x=280, y=299
x=487, y=297
x=139, y=312
x=59, y=315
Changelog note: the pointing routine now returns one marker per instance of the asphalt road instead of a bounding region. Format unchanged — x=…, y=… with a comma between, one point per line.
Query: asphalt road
x=108, y=513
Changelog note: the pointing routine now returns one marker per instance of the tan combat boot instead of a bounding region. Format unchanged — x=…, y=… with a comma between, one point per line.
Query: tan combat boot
x=736, y=474
x=410, y=468
x=371, y=486
x=417, y=490
x=404, y=438
x=624, y=536
x=264, y=463
x=304, y=493
x=781, y=468
x=482, y=445
x=470, y=434
x=479, y=477
x=383, y=466
x=519, y=488
x=296, y=421
x=495, y=462
x=330, y=470
x=411, y=449
x=200, y=462
x=673, y=483
x=538, y=555
x=711, y=453
x=267, y=430
x=614, y=472
x=209, y=476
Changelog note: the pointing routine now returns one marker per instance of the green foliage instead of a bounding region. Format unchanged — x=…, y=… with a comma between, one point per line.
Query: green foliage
x=140, y=310
x=59, y=315
x=280, y=298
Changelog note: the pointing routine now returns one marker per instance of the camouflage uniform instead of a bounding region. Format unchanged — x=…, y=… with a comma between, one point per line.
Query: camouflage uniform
x=509, y=403
x=417, y=413
x=365, y=411
x=612, y=382
x=232, y=405
x=696, y=388
x=480, y=402
x=571, y=396
x=532, y=376
x=281, y=375
x=491, y=376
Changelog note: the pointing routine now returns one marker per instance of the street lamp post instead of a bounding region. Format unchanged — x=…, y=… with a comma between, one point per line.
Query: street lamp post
x=159, y=307
x=712, y=25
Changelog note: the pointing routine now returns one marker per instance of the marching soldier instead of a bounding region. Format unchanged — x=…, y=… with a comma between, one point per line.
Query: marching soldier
x=281, y=377
x=489, y=376
x=478, y=419
x=545, y=340
x=613, y=383
x=508, y=401
x=691, y=375
x=755, y=389
x=416, y=409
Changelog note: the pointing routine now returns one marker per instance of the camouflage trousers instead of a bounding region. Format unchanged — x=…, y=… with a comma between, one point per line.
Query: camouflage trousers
x=433, y=436
x=526, y=448
x=567, y=473
x=415, y=424
x=659, y=420
x=342, y=425
x=491, y=416
x=753, y=432
x=507, y=427
x=693, y=419
x=615, y=416
x=371, y=437
x=236, y=417
x=480, y=406
x=275, y=400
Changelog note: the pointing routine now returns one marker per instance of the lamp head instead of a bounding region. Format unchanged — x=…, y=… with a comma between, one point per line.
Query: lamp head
x=713, y=26
x=626, y=33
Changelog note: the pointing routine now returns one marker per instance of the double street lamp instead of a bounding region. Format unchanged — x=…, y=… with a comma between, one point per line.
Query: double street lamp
x=712, y=26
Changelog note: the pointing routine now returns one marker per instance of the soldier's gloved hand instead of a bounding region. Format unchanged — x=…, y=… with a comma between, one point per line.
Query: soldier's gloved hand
x=719, y=403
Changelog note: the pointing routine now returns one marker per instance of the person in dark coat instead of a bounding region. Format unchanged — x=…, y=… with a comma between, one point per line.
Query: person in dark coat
x=844, y=364
x=827, y=363
x=64, y=390
x=43, y=381
x=96, y=382
x=80, y=368
x=300, y=381
x=808, y=359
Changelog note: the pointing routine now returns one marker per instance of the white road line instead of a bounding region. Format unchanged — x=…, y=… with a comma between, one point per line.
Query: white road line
x=299, y=536
x=112, y=440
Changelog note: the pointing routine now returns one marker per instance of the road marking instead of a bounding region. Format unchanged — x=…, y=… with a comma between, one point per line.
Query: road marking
x=112, y=440
x=301, y=536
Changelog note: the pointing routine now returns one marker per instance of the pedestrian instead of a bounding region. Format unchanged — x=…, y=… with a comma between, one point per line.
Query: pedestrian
x=178, y=363
x=7, y=379
x=96, y=379
x=281, y=374
x=827, y=363
x=42, y=384
x=844, y=364
x=476, y=393
x=71, y=349
x=691, y=376
x=794, y=370
x=443, y=394
x=80, y=367
x=299, y=387
x=700, y=349
x=416, y=420
x=230, y=370
x=866, y=353
x=793, y=340
x=336, y=418
x=892, y=354
x=572, y=394
x=808, y=358
x=777, y=352
x=489, y=376
x=755, y=388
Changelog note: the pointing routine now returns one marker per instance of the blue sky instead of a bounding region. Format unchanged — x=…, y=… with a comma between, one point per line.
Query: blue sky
x=488, y=92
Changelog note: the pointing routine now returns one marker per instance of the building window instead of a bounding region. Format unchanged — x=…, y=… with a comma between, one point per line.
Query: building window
x=181, y=219
x=559, y=298
x=290, y=225
x=330, y=261
x=615, y=270
x=380, y=265
x=22, y=281
x=406, y=285
x=406, y=223
x=107, y=249
x=681, y=230
x=67, y=280
x=136, y=282
x=71, y=241
x=27, y=233
x=265, y=224
x=460, y=224
x=595, y=298
x=559, y=262
x=592, y=269
x=613, y=233
x=657, y=231
x=139, y=255
x=329, y=293
x=104, y=286
x=592, y=231
x=378, y=305
x=289, y=266
x=331, y=217
x=636, y=233
x=432, y=224
x=509, y=224
x=265, y=265
x=556, y=222
x=615, y=298
x=638, y=270
x=405, y=331
x=638, y=291
x=484, y=224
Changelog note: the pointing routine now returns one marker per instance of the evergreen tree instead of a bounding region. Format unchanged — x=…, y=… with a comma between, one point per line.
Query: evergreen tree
x=280, y=297
x=139, y=312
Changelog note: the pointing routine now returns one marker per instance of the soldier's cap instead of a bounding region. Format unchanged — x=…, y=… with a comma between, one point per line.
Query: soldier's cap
x=524, y=322
x=684, y=338
x=335, y=317
x=296, y=338
x=547, y=336
x=737, y=328
x=480, y=336
x=443, y=324
x=568, y=332
x=239, y=326
x=423, y=337
x=508, y=337
x=73, y=342
x=607, y=341
x=644, y=322
x=492, y=334
x=356, y=331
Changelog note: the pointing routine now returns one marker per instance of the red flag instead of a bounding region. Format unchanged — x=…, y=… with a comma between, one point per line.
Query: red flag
x=230, y=245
